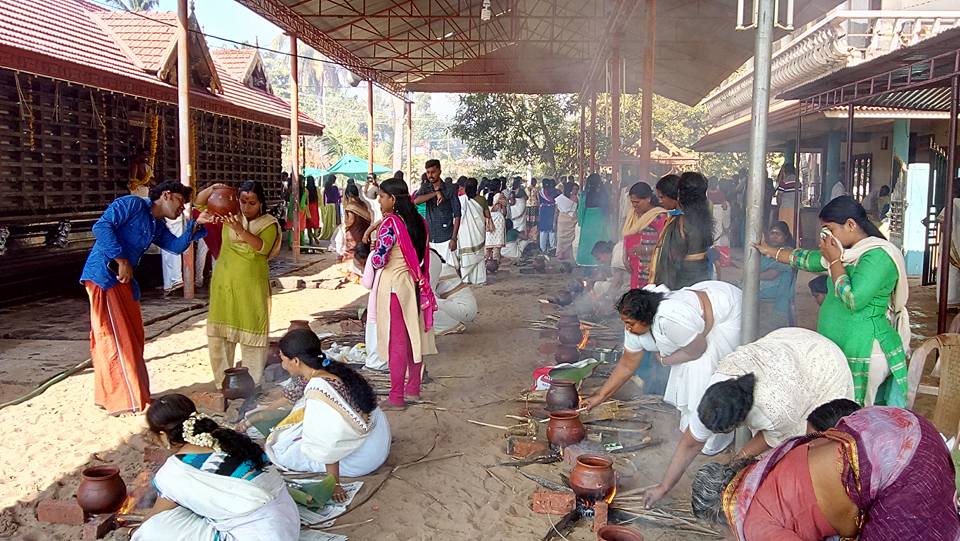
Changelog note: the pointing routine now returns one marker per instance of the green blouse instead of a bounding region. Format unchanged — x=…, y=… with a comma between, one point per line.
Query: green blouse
x=854, y=314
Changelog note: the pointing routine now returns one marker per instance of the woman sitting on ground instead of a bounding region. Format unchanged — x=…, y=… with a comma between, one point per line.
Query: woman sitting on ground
x=883, y=474
x=217, y=485
x=336, y=426
x=777, y=282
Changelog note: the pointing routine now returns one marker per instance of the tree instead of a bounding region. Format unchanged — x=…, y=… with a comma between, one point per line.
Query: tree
x=136, y=5
x=515, y=128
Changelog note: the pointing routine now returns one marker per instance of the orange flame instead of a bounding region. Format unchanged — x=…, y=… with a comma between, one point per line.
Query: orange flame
x=586, y=337
x=127, y=506
x=612, y=495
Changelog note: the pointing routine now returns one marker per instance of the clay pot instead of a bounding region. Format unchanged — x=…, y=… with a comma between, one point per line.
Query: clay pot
x=618, y=533
x=568, y=319
x=273, y=353
x=102, y=490
x=562, y=395
x=224, y=201
x=564, y=428
x=299, y=324
x=237, y=383
x=492, y=265
x=570, y=335
x=592, y=478
x=539, y=263
x=566, y=354
x=563, y=298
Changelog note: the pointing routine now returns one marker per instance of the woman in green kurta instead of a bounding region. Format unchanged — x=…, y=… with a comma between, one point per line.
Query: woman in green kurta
x=865, y=309
x=240, y=287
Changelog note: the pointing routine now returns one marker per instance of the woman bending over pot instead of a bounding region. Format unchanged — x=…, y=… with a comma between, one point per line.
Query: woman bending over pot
x=217, y=485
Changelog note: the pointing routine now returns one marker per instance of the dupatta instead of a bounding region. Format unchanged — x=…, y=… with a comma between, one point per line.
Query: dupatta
x=419, y=272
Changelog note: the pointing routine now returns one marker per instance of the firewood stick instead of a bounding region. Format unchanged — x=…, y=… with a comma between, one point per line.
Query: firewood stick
x=501, y=427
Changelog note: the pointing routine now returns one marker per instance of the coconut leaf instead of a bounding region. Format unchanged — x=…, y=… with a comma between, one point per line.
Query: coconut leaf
x=576, y=374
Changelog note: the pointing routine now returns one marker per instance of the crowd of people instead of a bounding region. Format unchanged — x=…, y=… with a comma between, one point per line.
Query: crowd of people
x=832, y=451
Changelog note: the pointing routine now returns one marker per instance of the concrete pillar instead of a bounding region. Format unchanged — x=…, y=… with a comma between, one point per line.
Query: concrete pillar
x=900, y=147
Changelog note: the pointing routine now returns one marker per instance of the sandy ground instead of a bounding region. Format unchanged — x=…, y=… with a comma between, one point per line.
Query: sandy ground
x=49, y=439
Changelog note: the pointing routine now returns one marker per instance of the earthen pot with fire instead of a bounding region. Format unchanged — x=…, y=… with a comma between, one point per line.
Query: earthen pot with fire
x=564, y=428
x=592, y=479
x=562, y=395
x=570, y=335
x=102, y=490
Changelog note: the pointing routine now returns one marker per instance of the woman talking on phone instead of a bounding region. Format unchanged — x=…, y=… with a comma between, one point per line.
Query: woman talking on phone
x=864, y=311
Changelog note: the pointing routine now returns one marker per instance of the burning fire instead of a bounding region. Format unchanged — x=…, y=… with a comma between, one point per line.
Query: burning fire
x=612, y=495
x=127, y=506
x=586, y=337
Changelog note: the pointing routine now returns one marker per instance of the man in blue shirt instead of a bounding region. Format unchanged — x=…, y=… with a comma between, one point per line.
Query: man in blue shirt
x=123, y=233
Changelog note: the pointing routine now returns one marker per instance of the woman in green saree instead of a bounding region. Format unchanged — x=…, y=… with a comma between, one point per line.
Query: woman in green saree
x=865, y=309
x=240, y=287
x=592, y=217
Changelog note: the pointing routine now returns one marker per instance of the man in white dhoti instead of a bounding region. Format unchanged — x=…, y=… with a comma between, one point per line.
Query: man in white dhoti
x=456, y=303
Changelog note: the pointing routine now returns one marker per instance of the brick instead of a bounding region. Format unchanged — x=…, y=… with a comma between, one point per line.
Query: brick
x=522, y=447
x=550, y=502
x=600, y=511
x=142, y=490
x=60, y=512
x=154, y=455
x=208, y=401
x=98, y=526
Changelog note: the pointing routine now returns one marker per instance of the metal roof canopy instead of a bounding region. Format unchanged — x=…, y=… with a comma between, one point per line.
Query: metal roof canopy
x=913, y=78
x=526, y=46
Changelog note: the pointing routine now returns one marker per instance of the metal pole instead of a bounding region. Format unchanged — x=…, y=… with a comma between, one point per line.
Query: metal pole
x=616, y=83
x=758, y=170
x=848, y=169
x=581, y=141
x=410, y=142
x=370, y=127
x=646, y=96
x=947, y=224
x=294, y=138
x=799, y=184
x=593, y=131
x=183, y=106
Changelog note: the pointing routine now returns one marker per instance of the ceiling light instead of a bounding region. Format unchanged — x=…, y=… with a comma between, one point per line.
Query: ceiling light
x=485, y=13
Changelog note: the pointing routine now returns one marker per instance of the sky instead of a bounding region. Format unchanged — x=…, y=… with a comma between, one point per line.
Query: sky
x=228, y=19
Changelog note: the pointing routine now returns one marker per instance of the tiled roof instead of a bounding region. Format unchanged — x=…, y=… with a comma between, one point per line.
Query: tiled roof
x=234, y=61
x=150, y=37
x=77, y=41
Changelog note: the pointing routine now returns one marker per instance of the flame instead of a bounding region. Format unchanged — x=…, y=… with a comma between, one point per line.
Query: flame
x=586, y=337
x=612, y=495
x=127, y=506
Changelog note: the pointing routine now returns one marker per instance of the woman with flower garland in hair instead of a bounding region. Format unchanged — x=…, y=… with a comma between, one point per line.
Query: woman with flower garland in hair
x=336, y=426
x=217, y=485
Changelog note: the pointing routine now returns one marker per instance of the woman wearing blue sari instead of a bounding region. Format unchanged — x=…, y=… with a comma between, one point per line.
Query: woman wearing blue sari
x=777, y=283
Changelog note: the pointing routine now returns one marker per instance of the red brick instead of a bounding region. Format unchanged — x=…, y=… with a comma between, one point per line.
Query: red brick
x=98, y=526
x=209, y=401
x=142, y=490
x=550, y=502
x=153, y=455
x=522, y=447
x=60, y=512
x=600, y=511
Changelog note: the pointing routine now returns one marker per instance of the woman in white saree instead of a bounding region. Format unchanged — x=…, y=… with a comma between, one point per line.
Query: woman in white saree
x=217, y=486
x=336, y=427
x=473, y=235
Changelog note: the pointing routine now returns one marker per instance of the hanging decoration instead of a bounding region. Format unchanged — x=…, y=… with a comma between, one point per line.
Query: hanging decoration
x=141, y=177
x=26, y=109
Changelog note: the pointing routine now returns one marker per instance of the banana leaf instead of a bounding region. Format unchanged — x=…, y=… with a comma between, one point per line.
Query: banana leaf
x=313, y=495
x=264, y=421
x=576, y=374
